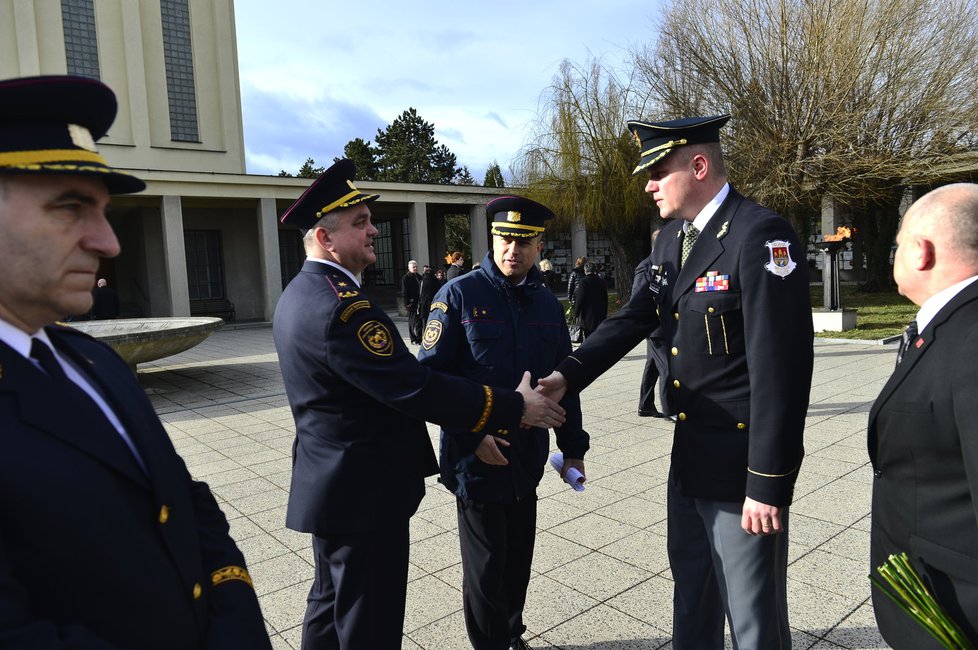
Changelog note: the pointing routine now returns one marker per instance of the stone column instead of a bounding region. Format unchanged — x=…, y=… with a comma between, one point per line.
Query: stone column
x=578, y=232
x=478, y=232
x=268, y=256
x=418, y=225
x=175, y=253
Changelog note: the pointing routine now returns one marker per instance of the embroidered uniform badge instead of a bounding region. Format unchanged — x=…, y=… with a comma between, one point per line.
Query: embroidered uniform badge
x=439, y=305
x=432, y=332
x=780, y=263
x=375, y=336
x=712, y=281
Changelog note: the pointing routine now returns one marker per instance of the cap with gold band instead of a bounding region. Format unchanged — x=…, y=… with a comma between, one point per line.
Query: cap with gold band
x=514, y=216
x=49, y=125
x=657, y=139
x=333, y=190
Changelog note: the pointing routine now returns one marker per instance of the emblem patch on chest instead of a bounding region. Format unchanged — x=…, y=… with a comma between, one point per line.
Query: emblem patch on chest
x=376, y=338
x=780, y=263
x=712, y=281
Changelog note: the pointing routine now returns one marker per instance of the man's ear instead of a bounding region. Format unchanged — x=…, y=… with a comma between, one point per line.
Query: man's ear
x=323, y=239
x=925, y=253
x=701, y=165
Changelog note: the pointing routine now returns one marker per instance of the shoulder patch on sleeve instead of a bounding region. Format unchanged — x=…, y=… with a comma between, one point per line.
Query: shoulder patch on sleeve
x=438, y=305
x=351, y=309
x=780, y=262
x=375, y=336
x=432, y=332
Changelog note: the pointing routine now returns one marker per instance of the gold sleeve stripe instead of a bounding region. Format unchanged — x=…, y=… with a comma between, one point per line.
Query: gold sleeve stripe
x=772, y=475
x=14, y=158
x=231, y=573
x=487, y=409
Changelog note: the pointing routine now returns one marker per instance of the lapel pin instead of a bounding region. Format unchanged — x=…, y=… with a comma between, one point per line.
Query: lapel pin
x=919, y=343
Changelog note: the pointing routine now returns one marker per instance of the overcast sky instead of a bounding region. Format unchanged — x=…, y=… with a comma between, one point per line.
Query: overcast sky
x=318, y=73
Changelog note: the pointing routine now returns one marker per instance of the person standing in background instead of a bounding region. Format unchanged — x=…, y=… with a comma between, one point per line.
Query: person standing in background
x=411, y=293
x=590, y=301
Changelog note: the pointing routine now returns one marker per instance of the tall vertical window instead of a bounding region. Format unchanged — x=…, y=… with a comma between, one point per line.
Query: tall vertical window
x=81, y=43
x=406, y=241
x=178, y=56
x=291, y=254
x=205, y=269
x=381, y=272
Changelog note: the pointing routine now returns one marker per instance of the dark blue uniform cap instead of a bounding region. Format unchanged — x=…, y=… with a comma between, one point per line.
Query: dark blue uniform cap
x=333, y=190
x=657, y=139
x=514, y=216
x=49, y=125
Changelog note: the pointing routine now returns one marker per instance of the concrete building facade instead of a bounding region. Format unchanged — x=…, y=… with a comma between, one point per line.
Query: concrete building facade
x=204, y=237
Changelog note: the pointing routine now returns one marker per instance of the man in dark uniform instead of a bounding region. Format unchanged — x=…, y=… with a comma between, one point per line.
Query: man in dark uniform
x=410, y=293
x=736, y=318
x=360, y=400
x=105, y=541
x=489, y=325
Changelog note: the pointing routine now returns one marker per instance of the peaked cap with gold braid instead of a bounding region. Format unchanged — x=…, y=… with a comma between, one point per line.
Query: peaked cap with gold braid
x=514, y=216
x=49, y=125
x=657, y=139
x=333, y=190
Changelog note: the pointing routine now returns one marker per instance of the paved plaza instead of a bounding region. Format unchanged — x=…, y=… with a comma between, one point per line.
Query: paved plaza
x=601, y=578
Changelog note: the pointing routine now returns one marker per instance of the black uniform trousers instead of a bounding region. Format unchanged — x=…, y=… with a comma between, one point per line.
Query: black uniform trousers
x=646, y=396
x=497, y=551
x=357, y=598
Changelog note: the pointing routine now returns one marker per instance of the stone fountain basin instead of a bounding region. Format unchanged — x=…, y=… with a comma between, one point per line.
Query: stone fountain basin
x=138, y=340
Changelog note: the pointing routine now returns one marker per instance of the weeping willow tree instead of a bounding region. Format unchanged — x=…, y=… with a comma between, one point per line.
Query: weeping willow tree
x=853, y=99
x=580, y=158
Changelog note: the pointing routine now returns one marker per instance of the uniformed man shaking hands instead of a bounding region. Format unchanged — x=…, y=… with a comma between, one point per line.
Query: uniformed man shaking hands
x=725, y=278
x=360, y=400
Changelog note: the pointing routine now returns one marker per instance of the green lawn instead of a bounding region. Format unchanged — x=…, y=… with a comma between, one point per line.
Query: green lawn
x=878, y=315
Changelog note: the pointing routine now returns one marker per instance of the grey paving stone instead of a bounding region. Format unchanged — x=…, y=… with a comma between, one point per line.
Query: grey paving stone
x=224, y=407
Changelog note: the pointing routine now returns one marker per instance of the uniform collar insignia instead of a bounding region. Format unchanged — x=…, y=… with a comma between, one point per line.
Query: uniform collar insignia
x=723, y=230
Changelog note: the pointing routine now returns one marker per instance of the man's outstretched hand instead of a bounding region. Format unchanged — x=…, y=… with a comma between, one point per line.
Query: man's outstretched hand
x=553, y=386
x=540, y=410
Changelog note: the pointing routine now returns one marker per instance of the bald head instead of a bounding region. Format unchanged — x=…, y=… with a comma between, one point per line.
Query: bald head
x=937, y=245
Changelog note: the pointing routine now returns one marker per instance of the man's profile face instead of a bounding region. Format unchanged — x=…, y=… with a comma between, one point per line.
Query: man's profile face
x=54, y=233
x=351, y=243
x=515, y=256
x=671, y=182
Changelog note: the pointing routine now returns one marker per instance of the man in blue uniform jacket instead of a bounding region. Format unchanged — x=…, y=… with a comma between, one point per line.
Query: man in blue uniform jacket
x=489, y=325
x=105, y=541
x=736, y=320
x=923, y=427
x=360, y=399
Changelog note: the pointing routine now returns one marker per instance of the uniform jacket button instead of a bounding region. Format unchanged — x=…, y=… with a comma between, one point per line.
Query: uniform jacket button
x=198, y=590
x=741, y=426
x=682, y=417
x=676, y=315
x=675, y=382
x=675, y=352
x=164, y=514
x=711, y=310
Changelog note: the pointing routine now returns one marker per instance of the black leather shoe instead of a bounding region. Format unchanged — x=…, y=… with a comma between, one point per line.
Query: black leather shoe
x=645, y=413
x=519, y=644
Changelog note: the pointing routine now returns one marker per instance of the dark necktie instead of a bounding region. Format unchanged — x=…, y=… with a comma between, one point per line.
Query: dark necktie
x=909, y=336
x=691, y=234
x=41, y=353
